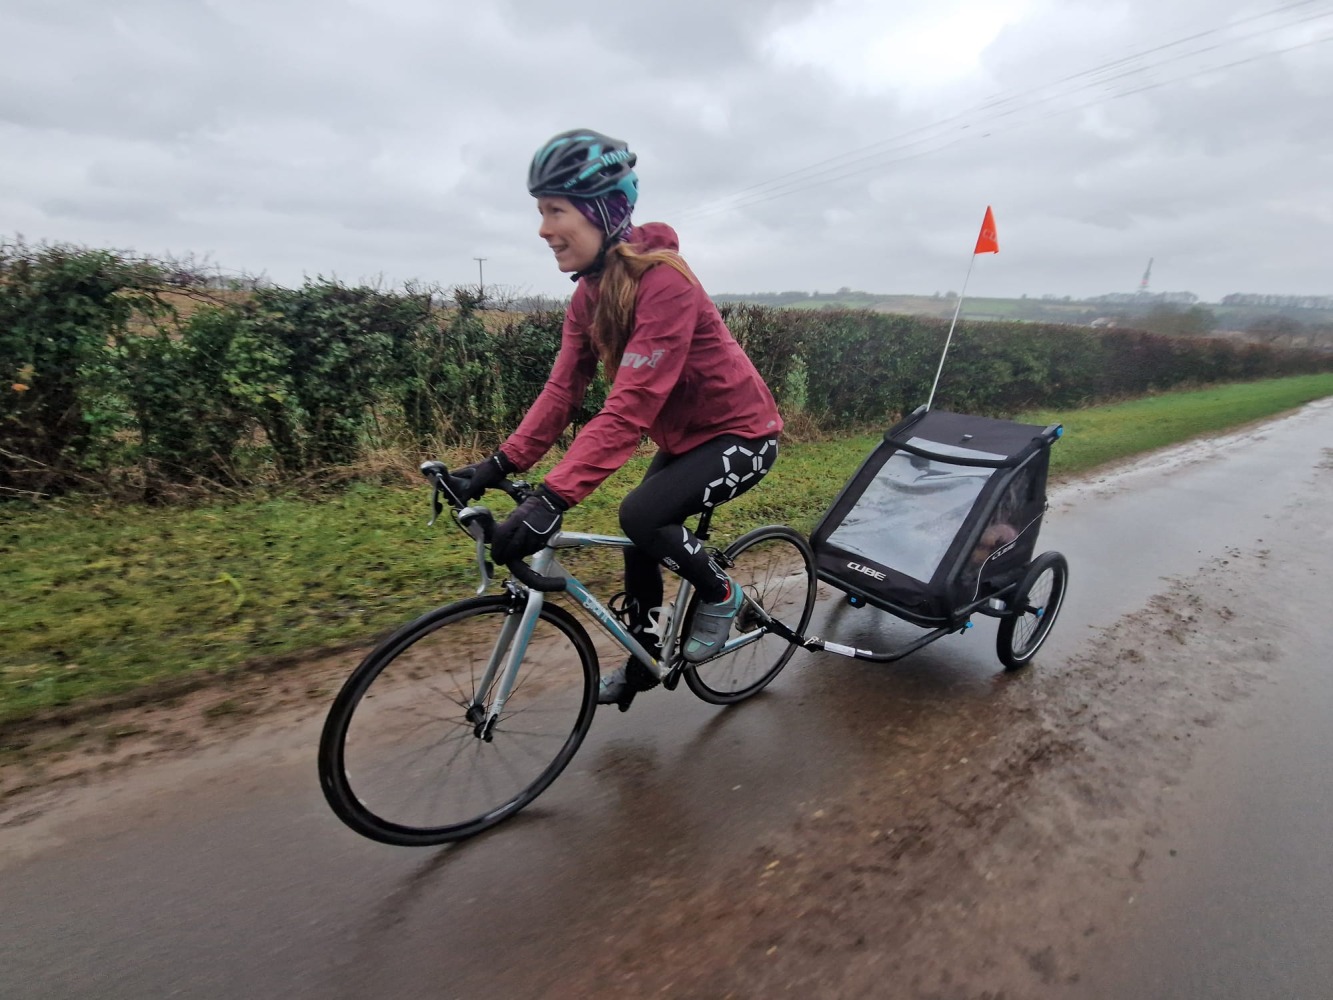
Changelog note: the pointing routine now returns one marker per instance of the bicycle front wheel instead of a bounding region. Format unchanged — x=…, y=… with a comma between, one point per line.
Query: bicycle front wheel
x=775, y=567
x=406, y=756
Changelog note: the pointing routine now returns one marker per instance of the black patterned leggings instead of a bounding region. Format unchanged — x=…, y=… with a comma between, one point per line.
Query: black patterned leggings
x=673, y=489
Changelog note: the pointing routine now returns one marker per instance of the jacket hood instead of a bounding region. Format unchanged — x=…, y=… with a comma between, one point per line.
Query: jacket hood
x=654, y=236
x=649, y=236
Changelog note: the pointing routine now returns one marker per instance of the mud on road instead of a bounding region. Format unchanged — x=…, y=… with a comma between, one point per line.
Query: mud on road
x=983, y=865
x=984, y=856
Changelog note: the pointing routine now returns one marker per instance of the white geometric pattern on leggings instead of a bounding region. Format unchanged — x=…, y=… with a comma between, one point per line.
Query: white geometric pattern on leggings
x=685, y=541
x=738, y=470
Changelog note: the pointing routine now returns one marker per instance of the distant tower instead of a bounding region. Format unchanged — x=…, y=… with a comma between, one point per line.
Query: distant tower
x=1143, y=285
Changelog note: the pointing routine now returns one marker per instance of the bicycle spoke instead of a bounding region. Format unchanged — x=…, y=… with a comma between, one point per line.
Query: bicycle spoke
x=775, y=570
x=422, y=774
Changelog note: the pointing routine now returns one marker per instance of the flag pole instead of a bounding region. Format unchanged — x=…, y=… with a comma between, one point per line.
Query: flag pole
x=957, y=309
x=986, y=243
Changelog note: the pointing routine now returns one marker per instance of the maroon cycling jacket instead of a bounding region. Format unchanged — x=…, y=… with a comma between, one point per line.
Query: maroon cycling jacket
x=683, y=381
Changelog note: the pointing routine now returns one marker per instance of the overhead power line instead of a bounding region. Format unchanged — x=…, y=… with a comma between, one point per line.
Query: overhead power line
x=964, y=125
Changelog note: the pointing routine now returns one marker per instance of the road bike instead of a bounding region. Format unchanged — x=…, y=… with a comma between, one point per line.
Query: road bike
x=462, y=717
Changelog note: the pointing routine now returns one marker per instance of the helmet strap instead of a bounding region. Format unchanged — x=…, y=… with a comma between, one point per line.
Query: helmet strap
x=598, y=263
x=610, y=240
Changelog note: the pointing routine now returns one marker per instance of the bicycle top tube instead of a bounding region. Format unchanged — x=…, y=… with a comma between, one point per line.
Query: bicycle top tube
x=583, y=539
x=580, y=539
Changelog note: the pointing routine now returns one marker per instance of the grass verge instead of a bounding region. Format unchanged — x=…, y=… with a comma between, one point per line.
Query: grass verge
x=104, y=600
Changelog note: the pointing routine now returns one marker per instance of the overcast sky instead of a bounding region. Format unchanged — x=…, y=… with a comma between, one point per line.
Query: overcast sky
x=793, y=144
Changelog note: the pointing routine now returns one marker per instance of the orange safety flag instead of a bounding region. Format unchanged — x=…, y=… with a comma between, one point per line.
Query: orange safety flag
x=987, y=242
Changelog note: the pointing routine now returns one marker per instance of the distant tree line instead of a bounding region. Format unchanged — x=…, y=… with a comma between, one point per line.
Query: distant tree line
x=1142, y=300
x=123, y=375
x=1280, y=301
x=1309, y=330
x=1146, y=299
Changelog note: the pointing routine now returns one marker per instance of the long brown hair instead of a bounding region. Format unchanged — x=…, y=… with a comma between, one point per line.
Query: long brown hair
x=613, y=322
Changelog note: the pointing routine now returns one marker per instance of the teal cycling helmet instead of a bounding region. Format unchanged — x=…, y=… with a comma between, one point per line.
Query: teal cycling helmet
x=582, y=163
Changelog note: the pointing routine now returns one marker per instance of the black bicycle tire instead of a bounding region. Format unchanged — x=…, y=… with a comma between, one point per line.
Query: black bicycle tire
x=333, y=776
x=1017, y=658
x=695, y=680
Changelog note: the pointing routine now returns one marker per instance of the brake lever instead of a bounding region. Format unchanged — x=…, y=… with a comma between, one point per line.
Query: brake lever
x=476, y=527
x=436, y=507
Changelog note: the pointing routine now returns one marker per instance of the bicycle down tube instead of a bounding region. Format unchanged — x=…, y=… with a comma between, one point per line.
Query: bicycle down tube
x=543, y=563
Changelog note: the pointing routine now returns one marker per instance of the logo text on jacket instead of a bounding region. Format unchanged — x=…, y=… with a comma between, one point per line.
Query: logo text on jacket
x=632, y=360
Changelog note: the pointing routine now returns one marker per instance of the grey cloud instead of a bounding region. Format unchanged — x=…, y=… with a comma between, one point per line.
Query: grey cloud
x=393, y=138
x=666, y=39
x=111, y=208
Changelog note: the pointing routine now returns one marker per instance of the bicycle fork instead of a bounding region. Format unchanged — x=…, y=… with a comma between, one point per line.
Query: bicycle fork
x=510, y=647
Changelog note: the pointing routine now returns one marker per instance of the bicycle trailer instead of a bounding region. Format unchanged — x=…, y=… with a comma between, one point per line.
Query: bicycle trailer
x=941, y=521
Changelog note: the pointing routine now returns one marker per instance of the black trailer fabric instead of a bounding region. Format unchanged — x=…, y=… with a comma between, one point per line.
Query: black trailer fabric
x=942, y=514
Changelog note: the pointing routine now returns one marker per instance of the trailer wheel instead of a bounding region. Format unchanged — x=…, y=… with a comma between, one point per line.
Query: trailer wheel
x=1035, y=603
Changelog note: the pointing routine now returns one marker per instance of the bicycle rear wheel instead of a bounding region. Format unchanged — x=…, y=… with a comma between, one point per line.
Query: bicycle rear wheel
x=775, y=567
x=404, y=757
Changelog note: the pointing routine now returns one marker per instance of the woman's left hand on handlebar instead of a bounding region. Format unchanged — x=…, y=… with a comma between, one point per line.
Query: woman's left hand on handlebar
x=485, y=475
x=529, y=527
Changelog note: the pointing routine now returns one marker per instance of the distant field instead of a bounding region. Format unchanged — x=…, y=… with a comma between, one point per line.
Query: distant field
x=1031, y=310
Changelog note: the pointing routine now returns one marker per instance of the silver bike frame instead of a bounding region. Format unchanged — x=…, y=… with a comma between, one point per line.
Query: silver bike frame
x=512, y=643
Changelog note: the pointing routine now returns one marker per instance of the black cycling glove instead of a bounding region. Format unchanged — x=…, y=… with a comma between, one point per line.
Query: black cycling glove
x=484, y=475
x=529, y=527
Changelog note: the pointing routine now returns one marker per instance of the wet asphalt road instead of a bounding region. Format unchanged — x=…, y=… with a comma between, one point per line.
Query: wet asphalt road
x=224, y=875
x=1242, y=906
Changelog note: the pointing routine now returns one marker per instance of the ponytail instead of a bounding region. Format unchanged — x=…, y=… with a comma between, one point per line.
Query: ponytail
x=613, y=321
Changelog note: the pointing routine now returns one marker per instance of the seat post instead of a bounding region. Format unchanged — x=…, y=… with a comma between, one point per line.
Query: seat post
x=705, y=519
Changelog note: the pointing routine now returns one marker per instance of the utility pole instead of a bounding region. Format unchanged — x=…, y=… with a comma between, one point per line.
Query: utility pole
x=481, y=280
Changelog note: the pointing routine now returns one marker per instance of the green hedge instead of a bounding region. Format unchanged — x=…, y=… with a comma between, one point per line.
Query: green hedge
x=107, y=380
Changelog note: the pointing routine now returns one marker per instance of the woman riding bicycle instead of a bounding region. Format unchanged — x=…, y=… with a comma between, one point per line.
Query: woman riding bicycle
x=677, y=376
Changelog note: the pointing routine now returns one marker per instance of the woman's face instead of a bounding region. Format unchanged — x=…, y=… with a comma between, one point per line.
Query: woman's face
x=572, y=238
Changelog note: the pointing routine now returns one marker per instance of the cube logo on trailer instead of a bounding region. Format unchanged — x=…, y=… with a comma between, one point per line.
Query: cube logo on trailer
x=858, y=568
